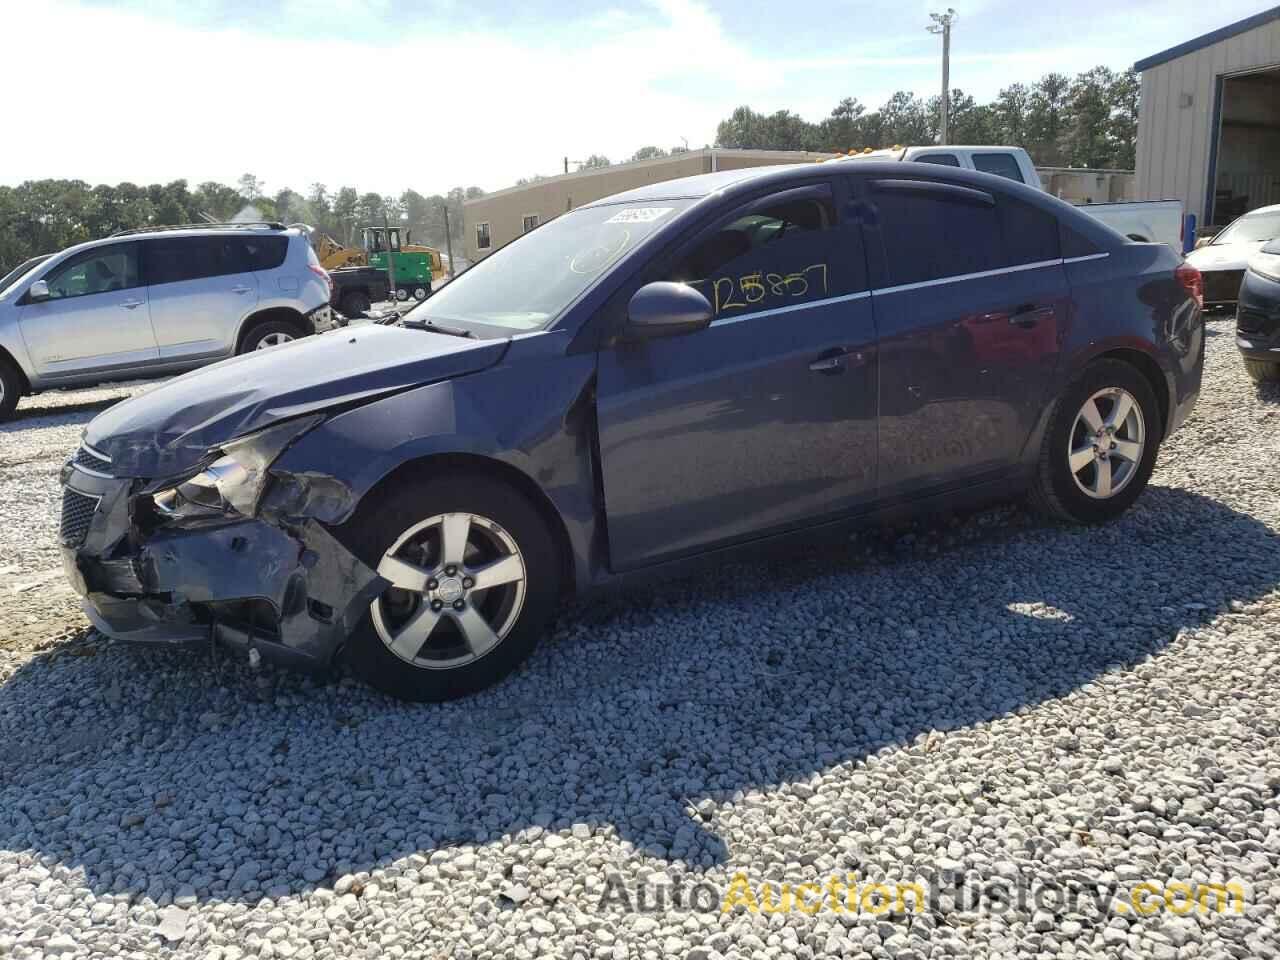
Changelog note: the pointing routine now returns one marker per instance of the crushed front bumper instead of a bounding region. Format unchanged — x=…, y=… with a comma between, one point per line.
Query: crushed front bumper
x=286, y=588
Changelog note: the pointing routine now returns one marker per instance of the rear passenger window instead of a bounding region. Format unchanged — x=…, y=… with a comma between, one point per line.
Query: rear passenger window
x=932, y=231
x=261, y=253
x=942, y=159
x=930, y=235
x=1001, y=164
x=1030, y=234
x=775, y=252
x=175, y=259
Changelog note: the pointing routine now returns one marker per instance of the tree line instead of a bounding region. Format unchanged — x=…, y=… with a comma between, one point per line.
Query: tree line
x=1089, y=121
x=45, y=216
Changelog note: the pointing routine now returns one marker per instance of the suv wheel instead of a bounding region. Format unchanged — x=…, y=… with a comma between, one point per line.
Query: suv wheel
x=474, y=575
x=1100, y=447
x=1262, y=371
x=354, y=304
x=269, y=334
x=10, y=388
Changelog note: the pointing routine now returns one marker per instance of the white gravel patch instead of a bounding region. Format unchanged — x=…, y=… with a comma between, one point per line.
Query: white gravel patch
x=986, y=700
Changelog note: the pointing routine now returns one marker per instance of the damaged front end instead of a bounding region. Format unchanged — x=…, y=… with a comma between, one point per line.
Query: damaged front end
x=229, y=552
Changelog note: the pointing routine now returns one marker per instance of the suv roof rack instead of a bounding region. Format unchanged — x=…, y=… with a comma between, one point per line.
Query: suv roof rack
x=241, y=224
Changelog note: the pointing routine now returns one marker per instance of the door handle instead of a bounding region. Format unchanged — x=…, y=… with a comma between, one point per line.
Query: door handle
x=131, y=304
x=833, y=361
x=1029, y=315
x=240, y=289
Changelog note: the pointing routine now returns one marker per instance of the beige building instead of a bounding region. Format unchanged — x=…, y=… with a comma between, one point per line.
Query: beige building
x=1209, y=125
x=498, y=218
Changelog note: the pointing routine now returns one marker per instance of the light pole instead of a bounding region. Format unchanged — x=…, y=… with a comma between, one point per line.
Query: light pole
x=942, y=24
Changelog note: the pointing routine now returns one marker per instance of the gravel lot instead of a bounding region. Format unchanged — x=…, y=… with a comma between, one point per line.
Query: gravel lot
x=985, y=699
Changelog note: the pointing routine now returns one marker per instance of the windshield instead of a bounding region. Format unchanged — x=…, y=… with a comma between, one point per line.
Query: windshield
x=527, y=284
x=1251, y=228
x=20, y=271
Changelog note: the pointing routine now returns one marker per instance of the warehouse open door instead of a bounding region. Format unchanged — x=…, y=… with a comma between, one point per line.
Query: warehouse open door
x=1245, y=172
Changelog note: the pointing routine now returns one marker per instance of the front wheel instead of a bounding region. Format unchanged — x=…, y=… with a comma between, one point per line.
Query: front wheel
x=1100, y=446
x=420, y=293
x=1262, y=371
x=474, y=575
x=402, y=294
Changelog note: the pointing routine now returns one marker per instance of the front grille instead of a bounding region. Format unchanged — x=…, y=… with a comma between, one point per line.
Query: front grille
x=86, y=458
x=1222, y=286
x=77, y=512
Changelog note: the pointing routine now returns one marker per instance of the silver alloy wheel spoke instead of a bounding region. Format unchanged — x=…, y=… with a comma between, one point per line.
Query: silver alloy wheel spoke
x=1102, y=479
x=1081, y=458
x=1089, y=412
x=479, y=635
x=1124, y=403
x=415, y=633
x=453, y=535
x=507, y=570
x=1127, y=450
x=403, y=574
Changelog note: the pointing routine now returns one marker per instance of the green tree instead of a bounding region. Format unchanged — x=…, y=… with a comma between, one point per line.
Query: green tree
x=648, y=153
x=1086, y=137
x=250, y=187
x=1047, y=117
x=1123, y=97
x=1011, y=109
x=595, y=162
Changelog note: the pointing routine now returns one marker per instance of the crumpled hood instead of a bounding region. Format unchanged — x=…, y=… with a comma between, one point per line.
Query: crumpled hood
x=168, y=429
x=1225, y=256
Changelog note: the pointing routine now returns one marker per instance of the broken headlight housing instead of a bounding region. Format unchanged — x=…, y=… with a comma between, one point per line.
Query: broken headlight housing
x=232, y=480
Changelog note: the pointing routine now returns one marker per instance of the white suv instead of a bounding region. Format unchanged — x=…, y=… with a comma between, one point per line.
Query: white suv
x=156, y=301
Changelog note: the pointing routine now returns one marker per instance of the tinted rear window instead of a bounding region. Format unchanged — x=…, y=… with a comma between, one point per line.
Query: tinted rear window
x=942, y=159
x=1001, y=164
x=931, y=235
x=262, y=253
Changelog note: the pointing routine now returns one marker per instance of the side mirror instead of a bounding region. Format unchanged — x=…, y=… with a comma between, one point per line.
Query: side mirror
x=663, y=309
x=38, y=291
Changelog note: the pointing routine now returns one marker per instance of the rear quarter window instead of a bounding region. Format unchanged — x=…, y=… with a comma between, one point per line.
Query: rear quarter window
x=262, y=253
x=931, y=236
x=1001, y=164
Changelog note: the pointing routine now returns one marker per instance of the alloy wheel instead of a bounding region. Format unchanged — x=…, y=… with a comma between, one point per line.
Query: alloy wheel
x=273, y=340
x=1106, y=444
x=457, y=588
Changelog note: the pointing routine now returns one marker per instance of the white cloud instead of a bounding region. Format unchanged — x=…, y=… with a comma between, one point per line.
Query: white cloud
x=127, y=97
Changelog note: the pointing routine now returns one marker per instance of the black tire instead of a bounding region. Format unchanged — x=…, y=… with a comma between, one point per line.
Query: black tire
x=1262, y=371
x=420, y=293
x=1054, y=492
x=402, y=294
x=261, y=331
x=375, y=528
x=354, y=304
x=10, y=388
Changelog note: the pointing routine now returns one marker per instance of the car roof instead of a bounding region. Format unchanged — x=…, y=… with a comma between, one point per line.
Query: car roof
x=254, y=231
x=1273, y=208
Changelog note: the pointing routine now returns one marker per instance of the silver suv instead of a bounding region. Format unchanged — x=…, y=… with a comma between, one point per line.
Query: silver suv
x=156, y=301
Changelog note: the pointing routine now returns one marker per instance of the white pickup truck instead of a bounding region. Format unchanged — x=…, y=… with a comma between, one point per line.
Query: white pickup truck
x=1158, y=221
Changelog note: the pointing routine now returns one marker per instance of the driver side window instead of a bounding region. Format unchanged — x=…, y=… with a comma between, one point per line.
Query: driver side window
x=778, y=251
x=95, y=271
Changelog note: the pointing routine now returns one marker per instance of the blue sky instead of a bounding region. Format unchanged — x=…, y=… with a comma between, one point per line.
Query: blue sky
x=489, y=92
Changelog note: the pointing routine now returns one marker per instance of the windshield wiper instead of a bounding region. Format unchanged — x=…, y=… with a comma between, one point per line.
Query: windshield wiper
x=435, y=327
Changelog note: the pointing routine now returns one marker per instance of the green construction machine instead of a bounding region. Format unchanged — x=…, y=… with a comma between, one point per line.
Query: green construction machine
x=413, y=266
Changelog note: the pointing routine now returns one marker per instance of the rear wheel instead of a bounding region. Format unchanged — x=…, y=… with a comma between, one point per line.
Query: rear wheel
x=1100, y=446
x=10, y=388
x=420, y=293
x=1262, y=371
x=402, y=294
x=474, y=576
x=354, y=303
x=273, y=333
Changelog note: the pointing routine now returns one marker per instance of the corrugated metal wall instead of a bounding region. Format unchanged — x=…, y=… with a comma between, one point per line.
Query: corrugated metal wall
x=1176, y=138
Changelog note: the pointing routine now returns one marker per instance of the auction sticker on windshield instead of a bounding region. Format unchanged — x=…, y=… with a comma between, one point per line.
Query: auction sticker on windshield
x=639, y=215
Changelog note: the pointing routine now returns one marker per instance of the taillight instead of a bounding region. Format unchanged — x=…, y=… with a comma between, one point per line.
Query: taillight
x=1190, y=278
x=323, y=274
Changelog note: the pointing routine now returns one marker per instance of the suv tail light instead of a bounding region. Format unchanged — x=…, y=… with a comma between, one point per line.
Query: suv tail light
x=1190, y=278
x=323, y=274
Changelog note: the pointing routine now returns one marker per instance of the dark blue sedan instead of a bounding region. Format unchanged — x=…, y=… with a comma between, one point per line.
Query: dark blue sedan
x=693, y=366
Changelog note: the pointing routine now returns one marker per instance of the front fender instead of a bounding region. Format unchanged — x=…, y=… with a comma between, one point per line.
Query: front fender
x=533, y=412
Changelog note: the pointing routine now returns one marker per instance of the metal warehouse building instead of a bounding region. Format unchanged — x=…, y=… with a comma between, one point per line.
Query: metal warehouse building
x=498, y=218
x=1209, y=124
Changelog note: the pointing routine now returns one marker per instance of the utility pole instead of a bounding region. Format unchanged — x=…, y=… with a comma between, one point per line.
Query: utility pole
x=448, y=240
x=942, y=24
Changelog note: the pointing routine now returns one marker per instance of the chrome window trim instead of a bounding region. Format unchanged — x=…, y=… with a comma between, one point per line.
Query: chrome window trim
x=774, y=311
x=1087, y=256
x=921, y=284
